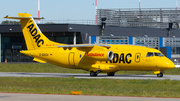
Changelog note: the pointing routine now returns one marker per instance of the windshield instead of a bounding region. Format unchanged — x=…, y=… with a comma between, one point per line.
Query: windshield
x=158, y=54
x=149, y=54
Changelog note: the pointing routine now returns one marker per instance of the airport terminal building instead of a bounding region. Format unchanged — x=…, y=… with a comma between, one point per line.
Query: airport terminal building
x=156, y=28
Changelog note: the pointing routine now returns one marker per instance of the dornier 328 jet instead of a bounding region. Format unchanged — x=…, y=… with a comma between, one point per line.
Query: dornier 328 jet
x=94, y=58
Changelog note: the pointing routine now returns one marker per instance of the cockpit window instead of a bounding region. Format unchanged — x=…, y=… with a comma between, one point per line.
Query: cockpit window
x=158, y=54
x=149, y=54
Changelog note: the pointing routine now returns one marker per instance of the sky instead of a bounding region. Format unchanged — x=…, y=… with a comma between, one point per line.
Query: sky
x=74, y=9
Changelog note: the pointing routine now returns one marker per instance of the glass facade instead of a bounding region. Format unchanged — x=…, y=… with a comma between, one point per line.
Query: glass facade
x=64, y=37
x=174, y=43
x=11, y=45
x=113, y=40
x=175, y=50
x=152, y=42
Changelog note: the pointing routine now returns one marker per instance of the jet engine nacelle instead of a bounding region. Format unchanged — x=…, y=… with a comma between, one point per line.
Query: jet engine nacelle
x=101, y=56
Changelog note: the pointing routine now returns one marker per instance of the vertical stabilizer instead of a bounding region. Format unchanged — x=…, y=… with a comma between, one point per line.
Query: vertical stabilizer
x=33, y=36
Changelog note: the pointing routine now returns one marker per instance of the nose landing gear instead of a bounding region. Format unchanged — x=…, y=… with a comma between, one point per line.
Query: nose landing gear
x=160, y=74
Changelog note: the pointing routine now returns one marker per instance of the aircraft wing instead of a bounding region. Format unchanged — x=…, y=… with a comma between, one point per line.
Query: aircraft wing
x=79, y=46
x=89, y=45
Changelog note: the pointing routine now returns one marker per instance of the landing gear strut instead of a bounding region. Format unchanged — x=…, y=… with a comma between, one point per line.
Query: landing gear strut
x=92, y=73
x=111, y=74
x=160, y=74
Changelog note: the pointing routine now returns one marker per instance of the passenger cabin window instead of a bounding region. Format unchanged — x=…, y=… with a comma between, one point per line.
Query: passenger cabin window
x=158, y=54
x=149, y=54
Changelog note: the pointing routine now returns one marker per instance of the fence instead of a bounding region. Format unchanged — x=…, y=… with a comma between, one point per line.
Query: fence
x=86, y=22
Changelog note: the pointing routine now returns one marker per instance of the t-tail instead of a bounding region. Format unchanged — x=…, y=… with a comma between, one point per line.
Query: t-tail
x=33, y=36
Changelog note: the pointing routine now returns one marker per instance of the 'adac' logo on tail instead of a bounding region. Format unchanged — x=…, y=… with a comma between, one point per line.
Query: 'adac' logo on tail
x=34, y=32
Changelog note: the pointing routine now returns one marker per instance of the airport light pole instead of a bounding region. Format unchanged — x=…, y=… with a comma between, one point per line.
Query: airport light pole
x=103, y=23
x=169, y=29
x=38, y=11
x=96, y=12
x=177, y=4
x=139, y=4
x=140, y=10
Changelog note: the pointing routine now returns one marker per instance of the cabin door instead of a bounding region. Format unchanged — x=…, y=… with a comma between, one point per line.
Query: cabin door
x=71, y=59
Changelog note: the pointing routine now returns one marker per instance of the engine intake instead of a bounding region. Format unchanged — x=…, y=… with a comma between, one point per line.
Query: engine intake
x=102, y=55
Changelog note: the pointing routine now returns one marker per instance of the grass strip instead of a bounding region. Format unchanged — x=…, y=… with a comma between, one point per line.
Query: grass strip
x=49, y=68
x=110, y=87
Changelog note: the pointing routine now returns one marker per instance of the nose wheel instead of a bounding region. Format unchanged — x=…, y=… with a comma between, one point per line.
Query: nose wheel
x=160, y=74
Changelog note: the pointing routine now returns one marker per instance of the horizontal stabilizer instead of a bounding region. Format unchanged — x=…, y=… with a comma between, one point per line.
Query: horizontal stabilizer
x=8, y=17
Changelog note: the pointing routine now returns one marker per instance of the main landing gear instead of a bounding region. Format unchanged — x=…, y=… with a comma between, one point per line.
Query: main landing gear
x=92, y=73
x=111, y=74
x=160, y=74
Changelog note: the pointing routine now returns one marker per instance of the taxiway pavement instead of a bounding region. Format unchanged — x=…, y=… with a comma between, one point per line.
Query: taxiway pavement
x=100, y=76
x=49, y=97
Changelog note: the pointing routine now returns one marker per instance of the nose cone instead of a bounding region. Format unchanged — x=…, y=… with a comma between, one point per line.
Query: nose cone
x=170, y=64
x=166, y=63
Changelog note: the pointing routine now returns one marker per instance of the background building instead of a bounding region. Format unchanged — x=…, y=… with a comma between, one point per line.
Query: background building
x=156, y=28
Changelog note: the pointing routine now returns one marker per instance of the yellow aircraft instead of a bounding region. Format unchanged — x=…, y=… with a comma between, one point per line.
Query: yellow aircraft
x=94, y=58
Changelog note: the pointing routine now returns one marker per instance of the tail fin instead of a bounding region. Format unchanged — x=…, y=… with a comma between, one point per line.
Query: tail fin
x=33, y=36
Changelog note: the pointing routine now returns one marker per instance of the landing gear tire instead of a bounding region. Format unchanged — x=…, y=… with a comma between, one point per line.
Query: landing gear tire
x=111, y=74
x=93, y=73
x=160, y=75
